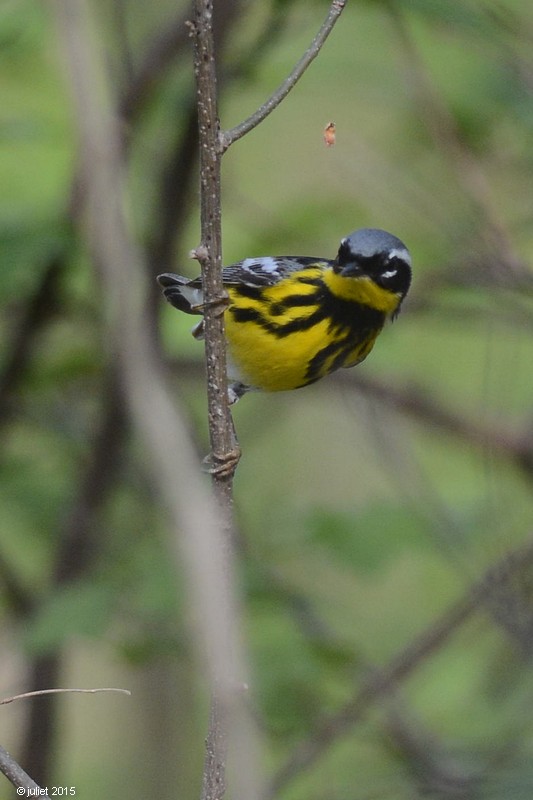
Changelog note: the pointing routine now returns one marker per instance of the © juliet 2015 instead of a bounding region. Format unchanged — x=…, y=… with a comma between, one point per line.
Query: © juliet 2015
x=45, y=791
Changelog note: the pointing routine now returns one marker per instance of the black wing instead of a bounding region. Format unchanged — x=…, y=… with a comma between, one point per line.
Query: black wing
x=268, y=270
x=262, y=271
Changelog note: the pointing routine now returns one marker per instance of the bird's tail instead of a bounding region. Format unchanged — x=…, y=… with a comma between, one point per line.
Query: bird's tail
x=182, y=293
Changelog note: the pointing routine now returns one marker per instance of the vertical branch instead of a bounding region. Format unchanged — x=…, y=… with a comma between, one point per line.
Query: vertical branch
x=209, y=253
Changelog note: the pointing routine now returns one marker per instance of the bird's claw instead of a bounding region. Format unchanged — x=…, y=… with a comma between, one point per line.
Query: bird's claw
x=218, y=303
x=222, y=465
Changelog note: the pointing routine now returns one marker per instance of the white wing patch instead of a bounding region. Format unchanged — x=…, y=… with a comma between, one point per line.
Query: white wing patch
x=267, y=270
x=265, y=264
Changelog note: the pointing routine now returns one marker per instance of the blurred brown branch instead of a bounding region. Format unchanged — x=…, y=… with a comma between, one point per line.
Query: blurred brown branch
x=170, y=452
x=163, y=48
x=383, y=681
x=437, y=772
x=416, y=402
x=38, y=310
x=79, y=542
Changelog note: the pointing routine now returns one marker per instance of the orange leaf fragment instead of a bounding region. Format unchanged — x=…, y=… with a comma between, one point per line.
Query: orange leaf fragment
x=329, y=134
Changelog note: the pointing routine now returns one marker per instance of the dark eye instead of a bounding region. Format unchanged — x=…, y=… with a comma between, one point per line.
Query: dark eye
x=395, y=274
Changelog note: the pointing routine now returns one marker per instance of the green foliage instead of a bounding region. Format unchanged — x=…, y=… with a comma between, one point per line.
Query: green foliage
x=364, y=541
x=80, y=610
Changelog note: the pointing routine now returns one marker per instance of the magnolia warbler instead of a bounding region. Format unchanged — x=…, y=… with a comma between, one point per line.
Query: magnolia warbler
x=291, y=320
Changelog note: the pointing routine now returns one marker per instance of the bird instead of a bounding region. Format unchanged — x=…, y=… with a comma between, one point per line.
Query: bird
x=291, y=320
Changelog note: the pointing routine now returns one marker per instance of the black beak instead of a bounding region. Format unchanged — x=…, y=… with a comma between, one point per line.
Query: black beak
x=352, y=269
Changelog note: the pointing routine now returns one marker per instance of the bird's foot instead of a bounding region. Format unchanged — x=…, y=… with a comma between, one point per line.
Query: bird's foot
x=219, y=303
x=222, y=465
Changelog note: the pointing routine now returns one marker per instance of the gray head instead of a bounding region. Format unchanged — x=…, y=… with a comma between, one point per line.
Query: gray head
x=378, y=255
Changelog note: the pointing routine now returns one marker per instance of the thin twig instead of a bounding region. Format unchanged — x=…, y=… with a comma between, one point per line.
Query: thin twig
x=39, y=692
x=228, y=137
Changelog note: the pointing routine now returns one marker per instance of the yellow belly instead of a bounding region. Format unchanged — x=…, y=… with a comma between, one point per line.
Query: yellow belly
x=259, y=359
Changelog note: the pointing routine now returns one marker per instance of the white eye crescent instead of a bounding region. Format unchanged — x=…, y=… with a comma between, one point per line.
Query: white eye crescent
x=400, y=253
x=390, y=273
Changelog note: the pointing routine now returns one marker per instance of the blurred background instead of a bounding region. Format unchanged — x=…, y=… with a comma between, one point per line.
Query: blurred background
x=385, y=514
